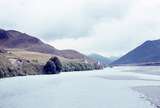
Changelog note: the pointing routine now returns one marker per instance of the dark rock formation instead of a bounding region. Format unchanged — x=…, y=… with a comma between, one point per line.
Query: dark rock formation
x=50, y=68
x=53, y=66
x=57, y=63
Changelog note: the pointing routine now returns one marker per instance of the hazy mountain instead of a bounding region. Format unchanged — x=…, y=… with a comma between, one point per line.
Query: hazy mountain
x=103, y=60
x=148, y=52
x=113, y=58
x=15, y=39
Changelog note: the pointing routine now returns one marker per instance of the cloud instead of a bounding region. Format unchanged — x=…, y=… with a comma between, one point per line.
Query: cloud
x=110, y=27
x=54, y=19
x=117, y=36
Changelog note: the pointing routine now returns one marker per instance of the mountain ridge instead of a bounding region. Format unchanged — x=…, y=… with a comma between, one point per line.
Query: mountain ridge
x=148, y=52
x=15, y=39
x=101, y=59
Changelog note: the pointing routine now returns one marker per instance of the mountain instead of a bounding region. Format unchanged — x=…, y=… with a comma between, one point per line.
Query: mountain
x=12, y=39
x=147, y=53
x=113, y=58
x=99, y=58
x=15, y=39
x=22, y=54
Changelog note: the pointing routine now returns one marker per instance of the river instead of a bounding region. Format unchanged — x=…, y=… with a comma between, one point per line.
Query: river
x=108, y=88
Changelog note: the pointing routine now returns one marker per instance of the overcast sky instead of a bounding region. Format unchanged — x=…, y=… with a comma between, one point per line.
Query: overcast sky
x=107, y=27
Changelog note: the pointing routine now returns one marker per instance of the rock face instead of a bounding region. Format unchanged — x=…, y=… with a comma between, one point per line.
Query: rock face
x=50, y=68
x=53, y=66
x=57, y=63
x=148, y=52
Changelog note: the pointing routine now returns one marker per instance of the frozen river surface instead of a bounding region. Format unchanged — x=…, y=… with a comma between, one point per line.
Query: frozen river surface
x=108, y=88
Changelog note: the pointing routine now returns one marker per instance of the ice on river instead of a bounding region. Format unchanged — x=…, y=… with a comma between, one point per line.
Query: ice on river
x=108, y=88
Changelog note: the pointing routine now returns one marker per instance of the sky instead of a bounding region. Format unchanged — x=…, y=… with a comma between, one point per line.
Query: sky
x=107, y=27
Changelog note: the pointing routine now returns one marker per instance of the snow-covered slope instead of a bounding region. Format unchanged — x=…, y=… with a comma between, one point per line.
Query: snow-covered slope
x=109, y=88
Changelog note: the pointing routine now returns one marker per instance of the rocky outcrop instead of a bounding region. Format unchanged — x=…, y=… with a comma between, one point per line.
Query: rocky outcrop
x=53, y=66
x=50, y=68
x=57, y=63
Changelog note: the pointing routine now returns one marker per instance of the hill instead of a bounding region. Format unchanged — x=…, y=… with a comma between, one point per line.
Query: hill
x=11, y=39
x=146, y=54
x=22, y=54
x=101, y=59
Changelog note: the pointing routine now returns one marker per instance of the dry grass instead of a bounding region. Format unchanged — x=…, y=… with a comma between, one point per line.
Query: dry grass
x=35, y=56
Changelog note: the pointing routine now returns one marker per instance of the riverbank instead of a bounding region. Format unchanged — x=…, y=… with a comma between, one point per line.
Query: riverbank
x=17, y=62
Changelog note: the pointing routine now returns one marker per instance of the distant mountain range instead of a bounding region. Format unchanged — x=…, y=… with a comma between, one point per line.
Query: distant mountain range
x=146, y=54
x=10, y=39
x=103, y=60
